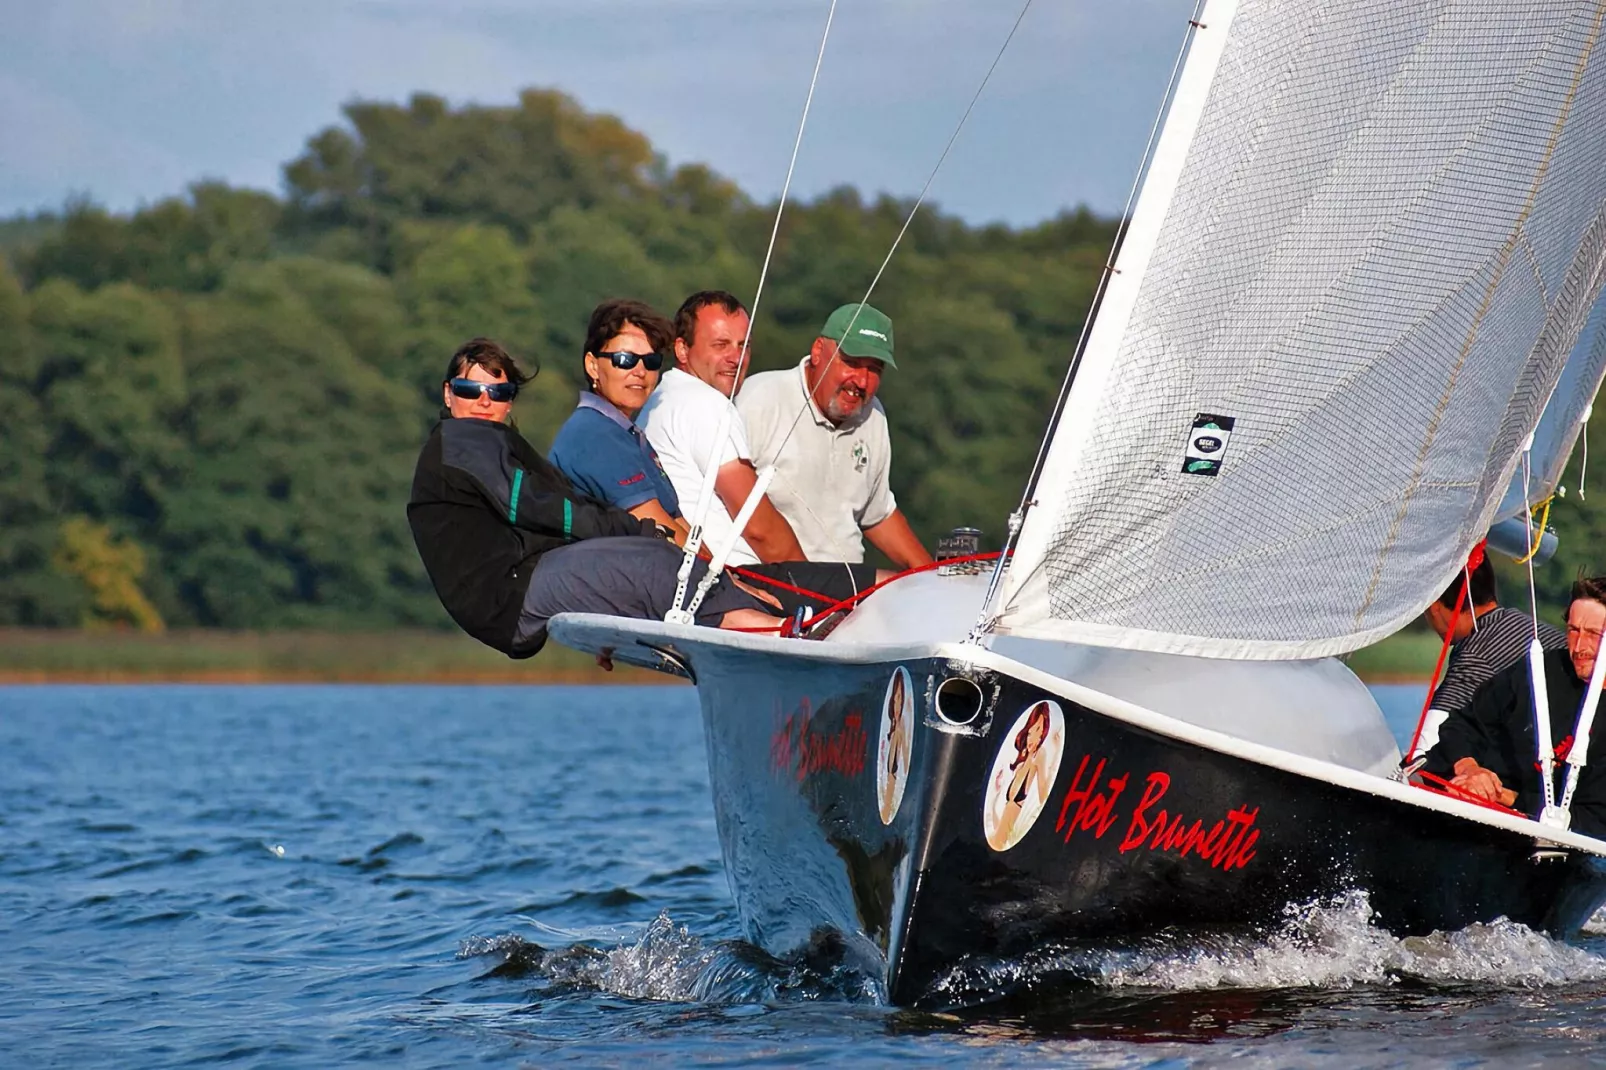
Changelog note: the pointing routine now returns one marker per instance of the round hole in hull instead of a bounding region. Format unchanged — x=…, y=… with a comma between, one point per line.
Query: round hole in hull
x=958, y=700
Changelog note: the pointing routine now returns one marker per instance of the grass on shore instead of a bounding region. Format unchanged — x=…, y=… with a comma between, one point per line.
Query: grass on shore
x=33, y=655
x=39, y=655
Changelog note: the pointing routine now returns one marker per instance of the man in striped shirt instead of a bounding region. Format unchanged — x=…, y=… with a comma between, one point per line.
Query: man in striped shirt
x=1487, y=638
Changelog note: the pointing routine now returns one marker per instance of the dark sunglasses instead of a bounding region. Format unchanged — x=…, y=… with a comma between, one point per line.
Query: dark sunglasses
x=624, y=360
x=469, y=389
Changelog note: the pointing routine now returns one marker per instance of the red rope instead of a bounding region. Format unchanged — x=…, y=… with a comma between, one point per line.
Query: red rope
x=1449, y=790
x=1473, y=561
x=754, y=577
x=848, y=603
x=1438, y=666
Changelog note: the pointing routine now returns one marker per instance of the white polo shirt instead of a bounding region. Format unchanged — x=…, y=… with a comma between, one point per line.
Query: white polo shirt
x=681, y=420
x=830, y=481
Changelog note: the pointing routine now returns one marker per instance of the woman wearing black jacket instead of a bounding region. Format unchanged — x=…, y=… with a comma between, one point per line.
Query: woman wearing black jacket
x=507, y=541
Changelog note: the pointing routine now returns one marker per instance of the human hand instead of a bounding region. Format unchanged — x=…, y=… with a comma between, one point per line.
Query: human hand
x=654, y=530
x=1481, y=783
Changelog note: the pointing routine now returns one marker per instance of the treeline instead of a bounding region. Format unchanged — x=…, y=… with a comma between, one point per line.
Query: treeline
x=211, y=407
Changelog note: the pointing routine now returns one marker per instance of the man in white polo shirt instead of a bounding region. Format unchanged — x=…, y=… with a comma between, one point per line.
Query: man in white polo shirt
x=831, y=478
x=682, y=419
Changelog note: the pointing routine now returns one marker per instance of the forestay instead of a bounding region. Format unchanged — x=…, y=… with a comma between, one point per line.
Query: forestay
x=1370, y=234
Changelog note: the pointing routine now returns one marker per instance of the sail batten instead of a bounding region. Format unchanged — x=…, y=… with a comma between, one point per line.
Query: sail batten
x=1359, y=278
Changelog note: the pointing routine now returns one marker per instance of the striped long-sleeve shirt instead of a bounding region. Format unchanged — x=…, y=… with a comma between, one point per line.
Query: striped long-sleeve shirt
x=1499, y=640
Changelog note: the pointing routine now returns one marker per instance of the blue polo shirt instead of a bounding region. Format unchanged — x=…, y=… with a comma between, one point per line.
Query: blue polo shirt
x=606, y=457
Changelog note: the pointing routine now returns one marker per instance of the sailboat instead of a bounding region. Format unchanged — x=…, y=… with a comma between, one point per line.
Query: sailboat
x=1367, y=241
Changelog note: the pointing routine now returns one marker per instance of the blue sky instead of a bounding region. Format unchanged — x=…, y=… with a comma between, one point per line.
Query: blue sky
x=129, y=101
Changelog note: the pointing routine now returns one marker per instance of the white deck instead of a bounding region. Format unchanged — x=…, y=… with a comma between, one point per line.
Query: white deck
x=1314, y=719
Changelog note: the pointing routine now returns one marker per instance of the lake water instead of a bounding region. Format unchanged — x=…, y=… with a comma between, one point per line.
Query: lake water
x=446, y=876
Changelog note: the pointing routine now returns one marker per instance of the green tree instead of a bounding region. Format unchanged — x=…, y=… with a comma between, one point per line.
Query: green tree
x=238, y=385
x=32, y=592
x=462, y=282
x=506, y=166
x=182, y=243
x=294, y=511
x=112, y=382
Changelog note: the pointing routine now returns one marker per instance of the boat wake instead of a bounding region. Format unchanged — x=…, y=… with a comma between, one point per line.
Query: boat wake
x=1332, y=944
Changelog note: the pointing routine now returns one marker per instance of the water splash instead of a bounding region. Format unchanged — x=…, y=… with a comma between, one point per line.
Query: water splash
x=668, y=963
x=1328, y=944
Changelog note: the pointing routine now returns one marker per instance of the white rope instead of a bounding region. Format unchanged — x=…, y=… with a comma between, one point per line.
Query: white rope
x=694, y=538
x=760, y=487
x=1549, y=814
x=908, y=219
x=1583, y=437
x=1578, y=754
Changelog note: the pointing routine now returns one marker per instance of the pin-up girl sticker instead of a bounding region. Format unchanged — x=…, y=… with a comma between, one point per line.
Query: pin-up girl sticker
x=896, y=744
x=1023, y=774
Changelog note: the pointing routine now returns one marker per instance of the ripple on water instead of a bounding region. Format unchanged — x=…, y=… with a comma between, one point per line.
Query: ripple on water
x=283, y=877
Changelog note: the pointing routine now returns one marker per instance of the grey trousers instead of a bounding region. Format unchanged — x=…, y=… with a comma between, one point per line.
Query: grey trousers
x=625, y=576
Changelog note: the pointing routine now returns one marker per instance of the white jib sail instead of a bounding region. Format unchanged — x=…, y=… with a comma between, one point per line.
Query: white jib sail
x=1370, y=236
x=1562, y=423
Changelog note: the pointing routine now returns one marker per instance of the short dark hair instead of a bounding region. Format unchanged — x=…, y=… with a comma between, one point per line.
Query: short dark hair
x=1592, y=588
x=1484, y=589
x=490, y=356
x=614, y=314
x=686, y=314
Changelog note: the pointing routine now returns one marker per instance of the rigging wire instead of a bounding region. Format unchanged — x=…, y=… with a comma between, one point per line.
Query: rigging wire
x=786, y=187
x=711, y=575
x=694, y=539
x=909, y=218
x=1017, y=518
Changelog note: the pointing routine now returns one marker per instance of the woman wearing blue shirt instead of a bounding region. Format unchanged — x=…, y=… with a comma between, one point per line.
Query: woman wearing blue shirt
x=599, y=447
x=604, y=454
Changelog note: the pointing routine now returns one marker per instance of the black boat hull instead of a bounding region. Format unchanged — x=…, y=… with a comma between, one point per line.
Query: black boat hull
x=1134, y=830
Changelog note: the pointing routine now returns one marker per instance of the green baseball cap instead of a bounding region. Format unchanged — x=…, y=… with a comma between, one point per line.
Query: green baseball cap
x=871, y=335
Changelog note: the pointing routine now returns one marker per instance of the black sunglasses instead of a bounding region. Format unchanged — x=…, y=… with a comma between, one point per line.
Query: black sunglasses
x=470, y=389
x=624, y=360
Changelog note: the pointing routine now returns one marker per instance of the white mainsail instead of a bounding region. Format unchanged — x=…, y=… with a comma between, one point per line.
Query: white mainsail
x=1370, y=235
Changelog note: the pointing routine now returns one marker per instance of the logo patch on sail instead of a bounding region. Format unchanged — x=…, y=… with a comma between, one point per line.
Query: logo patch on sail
x=1207, y=444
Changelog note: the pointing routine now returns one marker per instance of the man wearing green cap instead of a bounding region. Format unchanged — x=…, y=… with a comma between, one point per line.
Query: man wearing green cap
x=831, y=478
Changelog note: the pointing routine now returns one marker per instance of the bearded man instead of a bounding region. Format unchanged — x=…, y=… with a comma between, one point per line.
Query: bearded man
x=832, y=476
